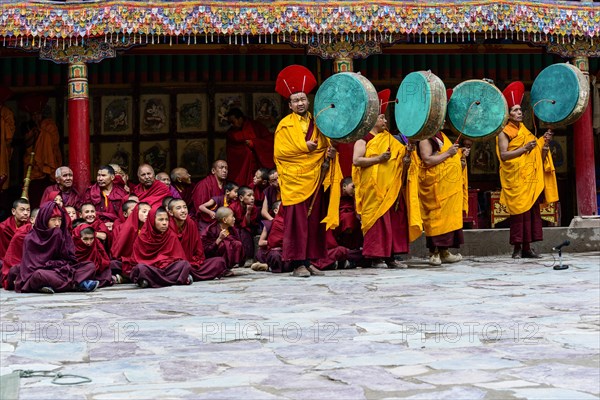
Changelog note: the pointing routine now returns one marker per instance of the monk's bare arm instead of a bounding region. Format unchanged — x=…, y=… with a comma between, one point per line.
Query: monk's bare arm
x=205, y=208
x=359, y=159
x=506, y=155
x=262, y=241
x=264, y=211
x=431, y=159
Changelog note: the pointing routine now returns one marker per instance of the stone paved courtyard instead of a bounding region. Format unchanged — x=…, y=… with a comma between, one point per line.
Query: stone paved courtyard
x=486, y=328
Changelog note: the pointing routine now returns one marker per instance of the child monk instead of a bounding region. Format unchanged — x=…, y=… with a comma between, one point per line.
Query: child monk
x=89, y=248
x=187, y=232
x=271, y=244
x=158, y=256
x=122, y=246
x=246, y=221
x=103, y=232
x=49, y=264
x=14, y=253
x=259, y=183
x=231, y=195
x=220, y=238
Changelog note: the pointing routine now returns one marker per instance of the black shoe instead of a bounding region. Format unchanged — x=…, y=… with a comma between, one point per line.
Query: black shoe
x=143, y=283
x=530, y=254
x=516, y=254
x=47, y=290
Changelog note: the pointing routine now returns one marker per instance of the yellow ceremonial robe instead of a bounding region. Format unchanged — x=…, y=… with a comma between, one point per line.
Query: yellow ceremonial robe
x=378, y=186
x=7, y=131
x=525, y=177
x=299, y=169
x=441, y=194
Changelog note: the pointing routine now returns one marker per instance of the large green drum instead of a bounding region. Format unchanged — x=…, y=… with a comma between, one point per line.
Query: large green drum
x=559, y=95
x=421, y=105
x=477, y=110
x=346, y=107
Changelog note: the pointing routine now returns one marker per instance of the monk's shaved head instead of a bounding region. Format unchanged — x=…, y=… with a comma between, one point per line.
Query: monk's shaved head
x=223, y=212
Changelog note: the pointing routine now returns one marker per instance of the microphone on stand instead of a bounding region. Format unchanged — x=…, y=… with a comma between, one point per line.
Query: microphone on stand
x=558, y=248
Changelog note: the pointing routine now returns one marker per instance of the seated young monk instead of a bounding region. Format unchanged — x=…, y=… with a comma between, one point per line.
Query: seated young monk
x=71, y=212
x=127, y=207
x=103, y=230
x=221, y=239
x=49, y=264
x=210, y=207
x=89, y=248
x=272, y=194
x=14, y=253
x=270, y=245
x=246, y=221
x=349, y=232
x=259, y=183
x=158, y=256
x=187, y=232
x=122, y=246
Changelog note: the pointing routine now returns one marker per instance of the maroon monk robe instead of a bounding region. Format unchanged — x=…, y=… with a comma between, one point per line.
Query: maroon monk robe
x=335, y=253
x=122, y=245
x=205, y=190
x=8, y=228
x=272, y=194
x=389, y=234
x=13, y=257
x=203, y=269
x=248, y=149
x=153, y=195
x=70, y=198
x=259, y=194
x=273, y=256
x=230, y=248
x=159, y=257
x=348, y=233
x=526, y=227
x=246, y=231
x=49, y=257
x=100, y=226
x=107, y=208
x=94, y=253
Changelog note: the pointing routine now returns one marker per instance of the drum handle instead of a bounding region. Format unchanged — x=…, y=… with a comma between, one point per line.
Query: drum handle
x=533, y=113
x=326, y=108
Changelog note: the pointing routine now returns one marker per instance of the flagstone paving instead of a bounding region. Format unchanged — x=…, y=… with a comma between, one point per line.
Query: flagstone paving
x=485, y=328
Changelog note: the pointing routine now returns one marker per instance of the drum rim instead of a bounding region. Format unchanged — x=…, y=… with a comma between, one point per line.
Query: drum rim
x=497, y=130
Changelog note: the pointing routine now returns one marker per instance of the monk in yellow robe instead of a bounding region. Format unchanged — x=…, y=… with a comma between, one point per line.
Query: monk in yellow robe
x=442, y=197
x=300, y=151
x=7, y=131
x=379, y=172
x=526, y=170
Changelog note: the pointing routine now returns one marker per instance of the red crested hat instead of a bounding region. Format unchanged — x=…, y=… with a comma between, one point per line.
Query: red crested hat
x=293, y=79
x=34, y=103
x=384, y=97
x=449, y=93
x=514, y=94
x=5, y=94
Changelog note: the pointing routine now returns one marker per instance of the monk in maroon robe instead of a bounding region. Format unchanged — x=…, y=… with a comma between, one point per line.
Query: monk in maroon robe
x=158, y=256
x=207, y=188
x=20, y=217
x=49, y=264
x=259, y=183
x=221, y=239
x=181, y=182
x=211, y=206
x=348, y=233
x=14, y=253
x=272, y=193
x=271, y=244
x=187, y=232
x=150, y=190
x=336, y=255
x=249, y=146
x=122, y=247
x=102, y=230
x=107, y=197
x=64, y=186
x=89, y=248
x=246, y=221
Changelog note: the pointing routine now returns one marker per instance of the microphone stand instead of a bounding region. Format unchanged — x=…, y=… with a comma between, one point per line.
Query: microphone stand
x=560, y=265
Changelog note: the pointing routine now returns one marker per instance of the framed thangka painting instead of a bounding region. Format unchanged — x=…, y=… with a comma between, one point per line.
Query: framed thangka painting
x=267, y=109
x=483, y=157
x=223, y=103
x=155, y=154
x=558, y=150
x=116, y=115
x=192, y=112
x=116, y=153
x=154, y=113
x=193, y=155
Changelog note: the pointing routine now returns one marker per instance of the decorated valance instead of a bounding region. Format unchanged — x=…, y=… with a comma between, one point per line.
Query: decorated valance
x=384, y=21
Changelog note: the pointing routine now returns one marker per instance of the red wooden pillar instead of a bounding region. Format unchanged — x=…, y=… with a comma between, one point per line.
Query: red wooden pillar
x=79, y=125
x=585, y=174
